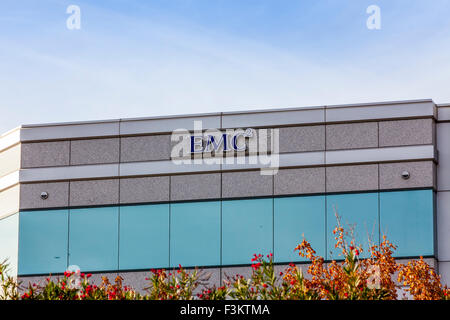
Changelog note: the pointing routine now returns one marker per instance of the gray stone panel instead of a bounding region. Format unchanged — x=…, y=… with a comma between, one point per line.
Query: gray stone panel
x=9, y=160
x=94, y=151
x=352, y=178
x=229, y=272
x=136, y=280
x=421, y=175
x=352, y=136
x=443, y=146
x=299, y=181
x=145, y=148
x=94, y=192
x=402, y=294
x=207, y=278
x=301, y=266
x=444, y=271
x=433, y=263
x=443, y=225
x=406, y=132
x=246, y=271
x=430, y=261
x=45, y=154
x=195, y=186
x=30, y=195
x=210, y=277
x=147, y=189
x=96, y=278
x=25, y=281
x=300, y=139
x=260, y=142
x=246, y=184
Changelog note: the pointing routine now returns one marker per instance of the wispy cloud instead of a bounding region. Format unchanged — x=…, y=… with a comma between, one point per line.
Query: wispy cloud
x=123, y=64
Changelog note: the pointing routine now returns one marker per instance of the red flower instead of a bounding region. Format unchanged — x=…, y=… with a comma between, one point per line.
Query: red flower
x=256, y=265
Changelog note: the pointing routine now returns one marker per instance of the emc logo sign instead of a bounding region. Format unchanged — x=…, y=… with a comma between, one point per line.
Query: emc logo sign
x=220, y=142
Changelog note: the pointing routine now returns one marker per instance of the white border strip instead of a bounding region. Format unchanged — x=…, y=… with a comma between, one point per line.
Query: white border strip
x=9, y=139
x=444, y=113
x=390, y=154
x=381, y=112
x=380, y=154
x=163, y=167
x=9, y=180
x=69, y=173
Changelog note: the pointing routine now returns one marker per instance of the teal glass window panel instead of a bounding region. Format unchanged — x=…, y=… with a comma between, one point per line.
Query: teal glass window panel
x=295, y=217
x=195, y=233
x=9, y=242
x=93, y=238
x=358, y=211
x=247, y=228
x=407, y=220
x=43, y=237
x=144, y=236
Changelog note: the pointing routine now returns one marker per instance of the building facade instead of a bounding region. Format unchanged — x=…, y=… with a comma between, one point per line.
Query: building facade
x=107, y=196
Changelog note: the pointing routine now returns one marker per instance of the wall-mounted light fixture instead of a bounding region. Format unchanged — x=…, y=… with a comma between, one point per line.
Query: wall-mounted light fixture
x=405, y=175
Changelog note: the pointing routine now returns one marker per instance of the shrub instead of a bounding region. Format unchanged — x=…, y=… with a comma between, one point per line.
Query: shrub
x=352, y=278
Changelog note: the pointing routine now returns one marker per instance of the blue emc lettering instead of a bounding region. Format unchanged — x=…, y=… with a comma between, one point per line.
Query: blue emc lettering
x=208, y=143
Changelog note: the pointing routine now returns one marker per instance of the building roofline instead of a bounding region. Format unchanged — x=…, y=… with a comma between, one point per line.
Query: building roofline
x=272, y=117
x=195, y=115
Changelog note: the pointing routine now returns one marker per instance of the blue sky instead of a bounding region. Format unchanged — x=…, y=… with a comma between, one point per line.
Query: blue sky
x=134, y=58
